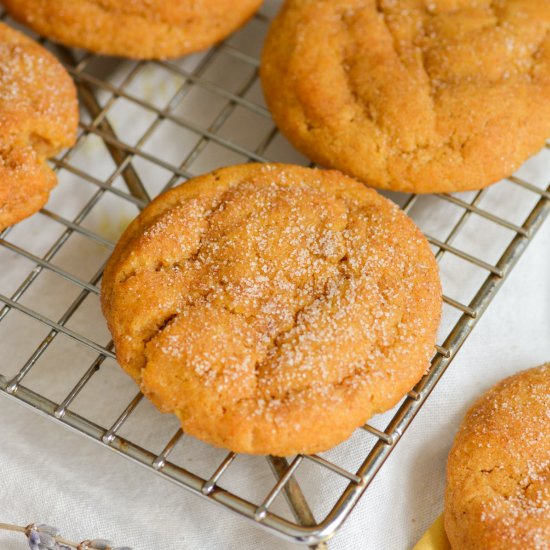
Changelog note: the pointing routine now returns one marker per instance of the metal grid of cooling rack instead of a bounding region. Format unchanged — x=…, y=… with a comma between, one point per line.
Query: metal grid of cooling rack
x=210, y=128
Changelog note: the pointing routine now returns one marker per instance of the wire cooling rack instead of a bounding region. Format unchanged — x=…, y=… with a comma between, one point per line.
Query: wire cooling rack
x=145, y=127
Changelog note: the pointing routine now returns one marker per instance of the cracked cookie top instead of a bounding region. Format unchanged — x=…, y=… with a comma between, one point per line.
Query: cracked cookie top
x=498, y=473
x=38, y=118
x=140, y=29
x=273, y=308
x=412, y=95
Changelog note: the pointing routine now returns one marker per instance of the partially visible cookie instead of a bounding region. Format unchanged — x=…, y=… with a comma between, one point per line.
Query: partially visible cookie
x=38, y=118
x=273, y=308
x=408, y=95
x=498, y=472
x=141, y=29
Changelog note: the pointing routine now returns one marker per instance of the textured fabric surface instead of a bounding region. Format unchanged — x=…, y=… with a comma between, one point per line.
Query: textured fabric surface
x=52, y=475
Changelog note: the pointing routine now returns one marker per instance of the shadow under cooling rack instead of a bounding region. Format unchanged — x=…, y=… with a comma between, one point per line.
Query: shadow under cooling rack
x=145, y=127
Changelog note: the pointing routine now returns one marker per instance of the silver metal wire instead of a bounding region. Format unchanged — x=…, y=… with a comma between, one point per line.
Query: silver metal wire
x=99, y=96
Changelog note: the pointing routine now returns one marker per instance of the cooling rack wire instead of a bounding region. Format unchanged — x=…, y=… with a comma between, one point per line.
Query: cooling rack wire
x=146, y=126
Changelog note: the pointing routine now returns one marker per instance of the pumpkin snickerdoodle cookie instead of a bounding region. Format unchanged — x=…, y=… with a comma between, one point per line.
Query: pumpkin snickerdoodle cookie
x=498, y=473
x=141, y=29
x=38, y=118
x=411, y=95
x=273, y=308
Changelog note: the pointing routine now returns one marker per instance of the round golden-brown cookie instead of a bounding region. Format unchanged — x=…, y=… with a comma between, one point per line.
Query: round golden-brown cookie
x=273, y=308
x=38, y=118
x=498, y=472
x=140, y=29
x=410, y=95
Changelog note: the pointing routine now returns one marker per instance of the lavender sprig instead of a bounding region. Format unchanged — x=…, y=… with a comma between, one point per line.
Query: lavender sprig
x=46, y=537
x=43, y=537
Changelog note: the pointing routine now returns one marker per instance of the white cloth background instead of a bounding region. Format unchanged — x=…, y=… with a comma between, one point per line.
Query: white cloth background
x=48, y=474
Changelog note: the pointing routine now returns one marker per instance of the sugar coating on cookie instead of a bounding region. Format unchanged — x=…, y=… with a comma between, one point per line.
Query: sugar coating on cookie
x=38, y=118
x=140, y=29
x=498, y=472
x=415, y=96
x=273, y=308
